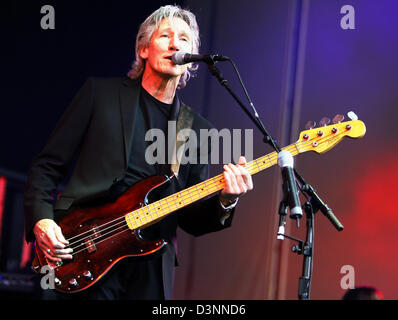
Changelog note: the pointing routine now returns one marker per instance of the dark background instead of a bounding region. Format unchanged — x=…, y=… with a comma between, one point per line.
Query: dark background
x=295, y=71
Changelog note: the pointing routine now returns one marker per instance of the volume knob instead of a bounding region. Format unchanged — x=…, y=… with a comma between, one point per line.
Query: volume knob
x=87, y=274
x=57, y=282
x=73, y=283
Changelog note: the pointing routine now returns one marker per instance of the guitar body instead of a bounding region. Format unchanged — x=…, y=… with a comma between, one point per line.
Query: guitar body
x=100, y=238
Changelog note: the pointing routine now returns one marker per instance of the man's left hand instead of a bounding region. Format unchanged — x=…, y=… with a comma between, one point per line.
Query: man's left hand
x=237, y=182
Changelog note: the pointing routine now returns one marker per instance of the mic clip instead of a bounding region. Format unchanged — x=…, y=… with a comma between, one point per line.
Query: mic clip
x=213, y=58
x=282, y=218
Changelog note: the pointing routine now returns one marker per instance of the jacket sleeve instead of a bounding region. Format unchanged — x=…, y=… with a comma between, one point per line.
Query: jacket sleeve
x=51, y=166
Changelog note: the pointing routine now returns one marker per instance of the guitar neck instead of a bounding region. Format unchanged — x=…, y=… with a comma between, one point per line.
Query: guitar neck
x=165, y=206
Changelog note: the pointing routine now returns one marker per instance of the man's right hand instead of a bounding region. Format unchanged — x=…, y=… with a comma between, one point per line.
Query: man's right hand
x=51, y=241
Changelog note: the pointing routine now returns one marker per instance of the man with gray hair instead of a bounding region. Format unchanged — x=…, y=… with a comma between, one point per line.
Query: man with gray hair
x=104, y=130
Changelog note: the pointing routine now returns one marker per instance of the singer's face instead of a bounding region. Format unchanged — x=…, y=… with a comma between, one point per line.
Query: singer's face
x=171, y=36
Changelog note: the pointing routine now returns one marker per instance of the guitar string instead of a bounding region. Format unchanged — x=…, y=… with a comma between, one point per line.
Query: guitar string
x=123, y=219
x=211, y=188
x=127, y=228
x=173, y=202
x=250, y=166
x=125, y=225
x=208, y=186
x=95, y=240
x=100, y=226
x=107, y=238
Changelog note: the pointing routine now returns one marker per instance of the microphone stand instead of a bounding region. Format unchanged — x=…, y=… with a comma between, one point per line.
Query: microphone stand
x=257, y=121
x=314, y=204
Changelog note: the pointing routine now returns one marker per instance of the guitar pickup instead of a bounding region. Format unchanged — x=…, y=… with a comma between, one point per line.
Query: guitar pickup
x=90, y=245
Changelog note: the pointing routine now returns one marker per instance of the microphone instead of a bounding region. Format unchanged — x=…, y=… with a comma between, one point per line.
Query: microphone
x=285, y=161
x=184, y=58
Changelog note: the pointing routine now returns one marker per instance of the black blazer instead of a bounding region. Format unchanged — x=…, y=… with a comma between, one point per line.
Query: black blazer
x=93, y=136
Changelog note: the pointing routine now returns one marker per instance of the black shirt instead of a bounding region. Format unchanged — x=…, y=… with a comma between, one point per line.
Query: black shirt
x=151, y=114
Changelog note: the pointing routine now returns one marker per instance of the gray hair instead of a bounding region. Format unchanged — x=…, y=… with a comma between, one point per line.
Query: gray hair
x=147, y=29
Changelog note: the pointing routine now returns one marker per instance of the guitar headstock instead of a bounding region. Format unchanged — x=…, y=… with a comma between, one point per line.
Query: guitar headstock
x=324, y=138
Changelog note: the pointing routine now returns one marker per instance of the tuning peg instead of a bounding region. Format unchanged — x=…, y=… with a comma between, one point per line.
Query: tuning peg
x=338, y=118
x=352, y=115
x=310, y=125
x=324, y=122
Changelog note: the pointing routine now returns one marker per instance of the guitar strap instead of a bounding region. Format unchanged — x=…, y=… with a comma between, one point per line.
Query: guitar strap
x=184, y=121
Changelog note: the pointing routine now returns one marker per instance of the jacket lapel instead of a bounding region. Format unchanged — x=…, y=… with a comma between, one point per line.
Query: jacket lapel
x=129, y=99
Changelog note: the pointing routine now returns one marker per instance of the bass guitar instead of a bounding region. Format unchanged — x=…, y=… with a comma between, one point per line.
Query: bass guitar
x=103, y=235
